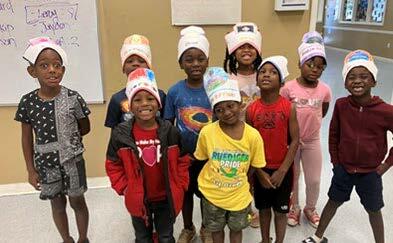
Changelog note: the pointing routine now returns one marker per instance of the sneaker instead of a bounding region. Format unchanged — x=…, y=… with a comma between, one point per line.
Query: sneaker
x=312, y=217
x=205, y=235
x=294, y=216
x=186, y=235
x=311, y=240
x=254, y=223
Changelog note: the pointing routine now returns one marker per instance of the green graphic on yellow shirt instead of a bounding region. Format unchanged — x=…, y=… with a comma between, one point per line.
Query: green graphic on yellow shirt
x=230, y=174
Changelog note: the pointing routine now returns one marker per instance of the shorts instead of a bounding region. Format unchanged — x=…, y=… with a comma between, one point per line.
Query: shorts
x=215, y=218
x=194, y=170
x=68, y=178
x=279, y=198
x=367, y=185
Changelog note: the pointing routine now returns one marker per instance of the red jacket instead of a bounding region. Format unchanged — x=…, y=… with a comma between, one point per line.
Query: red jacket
x=357, y=134
x=126, y=173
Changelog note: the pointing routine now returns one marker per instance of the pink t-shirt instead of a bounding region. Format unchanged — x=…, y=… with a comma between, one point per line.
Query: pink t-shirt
x=249, y=90
x=308, y=106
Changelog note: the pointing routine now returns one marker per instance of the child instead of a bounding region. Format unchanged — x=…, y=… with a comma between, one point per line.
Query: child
x=275, y=119
x=59, y=118
x=358, y=145
x=188, y=104
x=144, y=162
x=134, y=53
x=311, y=97
x=231, y=147
x=242, y=58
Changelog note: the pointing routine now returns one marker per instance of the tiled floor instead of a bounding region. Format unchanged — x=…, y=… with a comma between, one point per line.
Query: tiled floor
x=25, y=218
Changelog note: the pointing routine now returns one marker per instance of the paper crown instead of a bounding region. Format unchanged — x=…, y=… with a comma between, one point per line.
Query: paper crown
x=359, y=58
x=312, y=46
x=243, y=33
x=280, y=63
x=192, y=37
x=136, y=45
x=38, y=44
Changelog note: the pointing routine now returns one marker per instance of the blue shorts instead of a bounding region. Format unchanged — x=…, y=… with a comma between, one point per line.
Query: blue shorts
x=367, y=185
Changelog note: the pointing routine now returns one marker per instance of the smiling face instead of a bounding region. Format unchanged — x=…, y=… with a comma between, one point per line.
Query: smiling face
x=194, y=63
x=246, y=54
x=48, y=69
x=227, y=112
x=359, y=82
x=268, y=77
x=144, y=106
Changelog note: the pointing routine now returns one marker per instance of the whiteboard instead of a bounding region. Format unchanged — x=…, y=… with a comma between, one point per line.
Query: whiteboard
x=206, y=12
x=71, y=23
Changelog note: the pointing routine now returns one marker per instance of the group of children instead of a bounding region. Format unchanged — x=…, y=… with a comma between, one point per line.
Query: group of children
x=228, y=135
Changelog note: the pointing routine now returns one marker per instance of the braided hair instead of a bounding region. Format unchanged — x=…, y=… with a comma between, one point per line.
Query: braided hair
x=231, y=64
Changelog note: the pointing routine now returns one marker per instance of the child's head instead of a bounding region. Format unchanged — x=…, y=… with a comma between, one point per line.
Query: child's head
x=312, y=57
x=272, y=72
x=224, y=95
x=243, y=47
x=135, y=53
x=143, y=95
x=193, y=52
x=46, y=61
x=359, y=73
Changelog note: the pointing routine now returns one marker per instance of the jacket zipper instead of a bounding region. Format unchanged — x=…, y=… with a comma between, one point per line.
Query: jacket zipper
x=357, y=135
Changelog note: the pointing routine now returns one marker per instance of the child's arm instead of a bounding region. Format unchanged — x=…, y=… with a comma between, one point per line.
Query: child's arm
x=334, y=136
x=278, y=176
x=27, y=146
x=264, y=178
x=84, y=126
x=382, y=168
x=325, y=108
x=169, y=109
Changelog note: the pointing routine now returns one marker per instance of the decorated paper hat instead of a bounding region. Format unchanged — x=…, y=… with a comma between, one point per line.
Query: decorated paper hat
x=312, y=46
x=219, y=87
x=38, y=44
x=192, y=37
x=359, y=58
x=142, y=79
x=136, y=45
x=280, y=63
x=243, y=33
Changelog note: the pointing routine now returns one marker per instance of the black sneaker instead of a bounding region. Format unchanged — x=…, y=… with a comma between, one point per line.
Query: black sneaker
x=311, y=240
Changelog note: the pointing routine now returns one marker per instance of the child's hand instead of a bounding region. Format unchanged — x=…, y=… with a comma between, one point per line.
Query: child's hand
x=382, y=168
x=34, y=180
x=277, y=177
x=265, y=180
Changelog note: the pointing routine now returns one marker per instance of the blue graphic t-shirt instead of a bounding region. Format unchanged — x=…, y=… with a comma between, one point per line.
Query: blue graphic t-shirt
x=190, y=107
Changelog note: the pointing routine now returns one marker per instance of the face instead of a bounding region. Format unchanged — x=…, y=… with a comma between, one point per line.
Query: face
x=312, y=69
x=194, y=63
x=48, y=69
x=359, y=82
x=133, y=62
x=228, y=112
x=144, y=106
x=268, y=77
x=246, y=54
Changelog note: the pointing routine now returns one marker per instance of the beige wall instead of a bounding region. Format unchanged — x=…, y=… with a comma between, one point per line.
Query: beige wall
x=281, y=33
x=375, y=42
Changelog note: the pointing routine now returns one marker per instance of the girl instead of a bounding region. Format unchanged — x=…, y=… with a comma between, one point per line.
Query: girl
x=311, y=97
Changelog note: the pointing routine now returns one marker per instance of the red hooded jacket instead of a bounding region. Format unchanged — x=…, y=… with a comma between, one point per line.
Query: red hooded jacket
x=357, y=134
x=126, y=173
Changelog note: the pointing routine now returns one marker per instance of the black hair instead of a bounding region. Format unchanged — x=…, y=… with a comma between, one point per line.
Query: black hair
x=279, y=73
x=313, y=58
x=231, y=64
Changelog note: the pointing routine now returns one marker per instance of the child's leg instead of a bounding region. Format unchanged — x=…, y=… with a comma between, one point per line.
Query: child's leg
x=143, y=233
x=78, y=204
x=59, y=215
x=280, y=224
x=327, y=214
x=187, y=210
x=162, y=222
x=376, y=222
x=296, y=174
x=265, y=216
x=235, y=236
x=312, y=167
x=218, y=237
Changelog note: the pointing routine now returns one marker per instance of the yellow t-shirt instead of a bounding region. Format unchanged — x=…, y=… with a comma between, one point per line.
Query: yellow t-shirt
x=223, y=180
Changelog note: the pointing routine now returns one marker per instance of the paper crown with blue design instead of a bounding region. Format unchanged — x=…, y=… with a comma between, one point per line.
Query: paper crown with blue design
x=38, y=44
x=142, y=79
x=359, y=58
x=312, y=46
x=219, y=87
x=241, y=34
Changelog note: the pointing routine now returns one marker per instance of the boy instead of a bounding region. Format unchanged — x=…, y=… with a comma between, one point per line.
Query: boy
x=188, y=106
x=59, y=118
x=358, y=145
x=231, y=148
x=144, y=162
x=134, y=53
x=275, y=119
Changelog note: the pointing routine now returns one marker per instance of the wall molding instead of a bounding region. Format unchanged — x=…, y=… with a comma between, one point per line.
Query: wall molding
x=382, y=59
x=386, y=32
